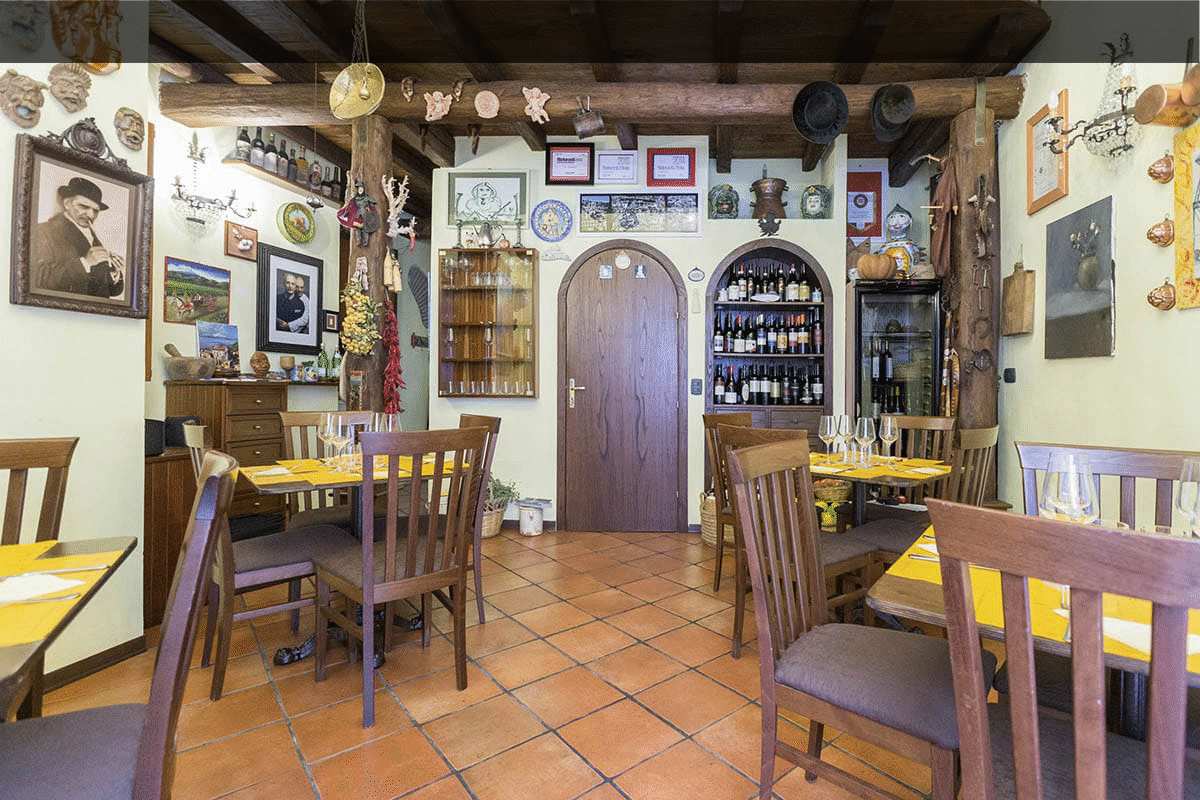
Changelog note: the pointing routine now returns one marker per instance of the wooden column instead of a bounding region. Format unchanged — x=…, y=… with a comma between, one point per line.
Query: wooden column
x=975, y=324
x=371, y=160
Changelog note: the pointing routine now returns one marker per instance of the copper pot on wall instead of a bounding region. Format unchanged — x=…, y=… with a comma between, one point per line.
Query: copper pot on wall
x=768, y=197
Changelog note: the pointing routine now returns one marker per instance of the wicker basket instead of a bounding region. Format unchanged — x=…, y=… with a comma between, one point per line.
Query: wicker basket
x=708, y=522
x=831, y=490
x=491, y=523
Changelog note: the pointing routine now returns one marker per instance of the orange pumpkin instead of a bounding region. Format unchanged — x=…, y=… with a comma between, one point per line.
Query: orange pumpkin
x=876, y=267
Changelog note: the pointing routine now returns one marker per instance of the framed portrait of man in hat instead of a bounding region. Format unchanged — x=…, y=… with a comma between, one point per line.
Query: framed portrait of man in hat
x=81, y=229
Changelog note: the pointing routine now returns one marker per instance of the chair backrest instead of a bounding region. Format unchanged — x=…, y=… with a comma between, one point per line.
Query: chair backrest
x=209, y=520
x=18, y=456
x=300, y=440
x=926, y=437
x=772, y=497
x=444, y=465
x=974, y=454
x=1160, y=468
x=1092, y=560
x=716, y=454
x=198, y=440
x=482, y=475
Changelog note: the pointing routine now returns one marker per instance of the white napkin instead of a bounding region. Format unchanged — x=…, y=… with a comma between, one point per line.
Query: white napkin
x=26, y=587
x=926, y=470
x=1134, y=634
x=930, y=546
x=267, y=473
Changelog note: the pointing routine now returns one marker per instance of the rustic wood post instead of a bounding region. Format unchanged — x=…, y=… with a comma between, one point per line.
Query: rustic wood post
x=370, y=161
x=974, y=279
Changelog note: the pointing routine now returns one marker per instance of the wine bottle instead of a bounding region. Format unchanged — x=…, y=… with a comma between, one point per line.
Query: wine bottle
x=314, y=176
x=804, y=291
x=887, y=361
x=718, y=338
x=302, y=166
x=718, y=387
x=793, y=284
x=803, y=341
x=776, y=389
x=339, y=184
x=291, y=170
x=818, y=333
x=874, y=361
x=256, y=149
x=781, y=335
x=282, y=163
x=242, y=146
x=761, y=333
x=327, y=184
x=743, y=388
x=818, y=386
x=270, y=155
x=739, y=344
x=742, y=282
x=731, y=394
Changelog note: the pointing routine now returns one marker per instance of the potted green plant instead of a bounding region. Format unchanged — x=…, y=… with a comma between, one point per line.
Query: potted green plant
x=499, y=494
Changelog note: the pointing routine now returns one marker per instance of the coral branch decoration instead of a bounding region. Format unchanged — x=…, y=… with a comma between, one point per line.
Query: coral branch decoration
x=360, y=326
x=393, y=380
x=397, y=195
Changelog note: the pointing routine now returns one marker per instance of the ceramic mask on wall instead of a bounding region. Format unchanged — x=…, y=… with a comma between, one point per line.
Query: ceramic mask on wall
x=70, y=84
x=21, y=98
x=131, y=128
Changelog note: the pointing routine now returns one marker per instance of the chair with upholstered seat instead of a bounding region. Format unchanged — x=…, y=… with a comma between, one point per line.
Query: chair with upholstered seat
x=1012, y=749
x=18, y=457
x=126, y=751
x=720, y=487
x=847, y=559
x=889, y=688
x=282, y=557
x=419, y=552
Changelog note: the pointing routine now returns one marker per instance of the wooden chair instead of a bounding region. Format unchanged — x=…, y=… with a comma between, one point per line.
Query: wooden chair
x=720, y=485
x=418, y=552
x=493, y=427
x=284, y=557
x=974, y=454
x=18, y=457
x=886, y=687
x=127, y=751
x=847, y=559
x=322, y=506
x=1010, y=750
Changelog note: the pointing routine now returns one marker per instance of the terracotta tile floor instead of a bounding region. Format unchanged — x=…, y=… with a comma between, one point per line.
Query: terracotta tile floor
x=603, y=672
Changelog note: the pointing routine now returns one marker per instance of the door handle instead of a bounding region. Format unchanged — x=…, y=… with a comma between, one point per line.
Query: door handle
x=571, y=390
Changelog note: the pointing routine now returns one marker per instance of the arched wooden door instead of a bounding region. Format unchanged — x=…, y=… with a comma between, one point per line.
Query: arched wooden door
x=622, y=440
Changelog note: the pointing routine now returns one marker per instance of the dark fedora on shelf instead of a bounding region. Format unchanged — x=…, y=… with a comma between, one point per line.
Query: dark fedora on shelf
x=820, y=111
x=82, y=187
x=891, y=109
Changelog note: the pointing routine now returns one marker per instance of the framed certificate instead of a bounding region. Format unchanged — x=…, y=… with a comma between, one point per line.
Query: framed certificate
x=671, y=166
x=616, y=166
x=570, y=163
x=1045, y=171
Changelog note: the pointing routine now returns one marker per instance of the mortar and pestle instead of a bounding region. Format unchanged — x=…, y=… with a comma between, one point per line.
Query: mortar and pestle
x=188, y=368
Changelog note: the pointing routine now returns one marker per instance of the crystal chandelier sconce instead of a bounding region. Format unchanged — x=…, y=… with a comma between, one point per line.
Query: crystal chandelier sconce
x=1113, y=132
x=197, y=208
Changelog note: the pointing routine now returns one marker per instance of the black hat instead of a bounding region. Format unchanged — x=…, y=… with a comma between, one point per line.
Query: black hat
x=84, y=187
x=891, y=109
x=820, y=111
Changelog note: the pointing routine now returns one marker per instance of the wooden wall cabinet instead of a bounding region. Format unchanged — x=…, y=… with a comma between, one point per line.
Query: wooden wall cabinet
x=487, y=322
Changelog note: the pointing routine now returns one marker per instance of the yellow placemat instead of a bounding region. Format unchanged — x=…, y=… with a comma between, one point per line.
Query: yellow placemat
x=266, y=480
x=21, y=623
x=1044, y=602
x=301, y=464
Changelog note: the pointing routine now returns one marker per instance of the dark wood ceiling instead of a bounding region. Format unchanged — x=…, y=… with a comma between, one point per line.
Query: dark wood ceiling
x=726, y=69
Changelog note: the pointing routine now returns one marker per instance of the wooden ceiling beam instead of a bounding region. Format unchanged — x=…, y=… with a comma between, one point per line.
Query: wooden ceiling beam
x=230, y=33
x=199, y=105
x=182, y=64
x=458, y=35
x=992, y=50
x=858, y=51
x=720, y=146
x=434, y=143
x=586, y=14
x=727, y=38
x=813, y=154
x=923, y=138
x=303, y=22
x=627, y=136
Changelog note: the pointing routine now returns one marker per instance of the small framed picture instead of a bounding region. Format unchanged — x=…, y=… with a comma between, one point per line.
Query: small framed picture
x=330, y=321
x=617, y=166
x=570, y=163
x=1046, y=172
x=671, y=166
x=241, y=241
x=476, y=197
x=289, y=285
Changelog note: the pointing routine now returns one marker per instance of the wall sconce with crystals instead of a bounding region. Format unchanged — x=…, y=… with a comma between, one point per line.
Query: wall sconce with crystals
x=197, y=208
x=1113, y=132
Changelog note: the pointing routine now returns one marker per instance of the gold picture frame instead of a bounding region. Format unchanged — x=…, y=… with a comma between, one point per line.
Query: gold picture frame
x=1046, y=172
x=1187, y=209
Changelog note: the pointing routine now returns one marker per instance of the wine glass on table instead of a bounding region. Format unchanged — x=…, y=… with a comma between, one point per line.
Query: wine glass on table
x=1068, y=490
x=827, y=431
x=1187, y=497
x=327, y=434
x=340, y=437
x=889, y=432
x=845, y=430
x=864, y=434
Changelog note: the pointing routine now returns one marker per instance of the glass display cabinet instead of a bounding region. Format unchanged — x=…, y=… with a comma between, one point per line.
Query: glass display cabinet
x=487, y=322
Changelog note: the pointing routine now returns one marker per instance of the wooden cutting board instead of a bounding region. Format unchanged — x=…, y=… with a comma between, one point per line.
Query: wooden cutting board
x=1017, y=301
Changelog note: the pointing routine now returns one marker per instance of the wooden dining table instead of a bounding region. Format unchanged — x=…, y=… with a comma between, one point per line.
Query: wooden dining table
x=912, y=589
x=896, y=472
x=29, y=627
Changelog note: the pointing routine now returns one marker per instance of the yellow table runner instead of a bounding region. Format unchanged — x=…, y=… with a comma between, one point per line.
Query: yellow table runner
x=21, y=623
x=1044, y=602
x=832, y=465
x=321, y=474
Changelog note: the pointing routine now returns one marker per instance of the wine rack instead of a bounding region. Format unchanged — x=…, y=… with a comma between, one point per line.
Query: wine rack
x=487, y=315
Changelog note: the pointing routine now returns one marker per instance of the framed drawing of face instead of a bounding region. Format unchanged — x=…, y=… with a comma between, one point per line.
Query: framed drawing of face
x=477, y=197
x=81, y=229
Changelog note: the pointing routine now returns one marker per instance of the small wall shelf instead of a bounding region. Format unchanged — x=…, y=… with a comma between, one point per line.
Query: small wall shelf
x=271, y=177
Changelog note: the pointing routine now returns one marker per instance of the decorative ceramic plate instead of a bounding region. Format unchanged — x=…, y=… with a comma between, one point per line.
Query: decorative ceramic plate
x=296, y=222
x=487, y=104
x=551, y=220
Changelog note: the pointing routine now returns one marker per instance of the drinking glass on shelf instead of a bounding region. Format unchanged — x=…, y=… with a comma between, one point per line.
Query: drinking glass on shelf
x=845, y=430
x=1187, y=498
x=1068, y=491
x=827, y=431
x=889, y=432
x=864, y=434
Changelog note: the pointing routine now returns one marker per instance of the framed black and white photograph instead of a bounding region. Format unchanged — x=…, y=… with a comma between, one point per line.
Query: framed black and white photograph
x=616, y=167
x=81, y=229
x=570, y=164
x=1080, y=301
x=332, y=321
x=476, y=197
x=289, y=297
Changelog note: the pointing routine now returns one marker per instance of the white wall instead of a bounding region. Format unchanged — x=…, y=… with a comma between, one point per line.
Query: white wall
x=527, y=449
x=1144, y=395
x=74, y=374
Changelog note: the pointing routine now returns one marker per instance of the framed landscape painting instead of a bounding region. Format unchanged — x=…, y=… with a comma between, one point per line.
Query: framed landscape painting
x=195, y=292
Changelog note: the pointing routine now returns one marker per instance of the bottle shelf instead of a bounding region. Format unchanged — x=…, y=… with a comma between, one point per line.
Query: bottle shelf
x=271, y=177
x=814, y=407
x=767, y=304
x=767, y=355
